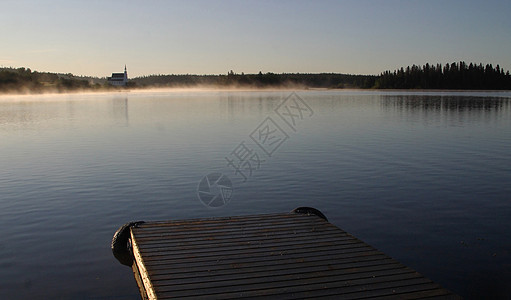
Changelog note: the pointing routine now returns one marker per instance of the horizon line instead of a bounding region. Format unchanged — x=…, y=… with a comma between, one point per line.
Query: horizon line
x=243, y=73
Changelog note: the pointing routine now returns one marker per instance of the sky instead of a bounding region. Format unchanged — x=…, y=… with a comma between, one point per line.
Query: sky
x=97, y=38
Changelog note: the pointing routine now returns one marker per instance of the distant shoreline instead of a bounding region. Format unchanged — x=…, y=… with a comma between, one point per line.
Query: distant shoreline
x=456, y=76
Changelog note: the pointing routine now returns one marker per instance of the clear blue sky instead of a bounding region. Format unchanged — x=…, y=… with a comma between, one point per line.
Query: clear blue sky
x=212, y=37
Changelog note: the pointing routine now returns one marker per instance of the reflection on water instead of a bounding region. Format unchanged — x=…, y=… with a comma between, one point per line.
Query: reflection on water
x=458, y=110
x=120, y=110
x=444, y=103
x=422, y=176
x=35, y=112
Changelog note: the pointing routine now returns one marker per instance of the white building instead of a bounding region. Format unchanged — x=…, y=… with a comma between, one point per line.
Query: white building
x=119, y=79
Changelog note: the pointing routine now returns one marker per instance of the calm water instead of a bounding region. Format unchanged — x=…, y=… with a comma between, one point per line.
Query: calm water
x=424, y=177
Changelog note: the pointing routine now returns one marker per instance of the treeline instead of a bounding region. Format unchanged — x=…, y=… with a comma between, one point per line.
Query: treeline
x=450, y=76
x=260, y=80
x=22, y=80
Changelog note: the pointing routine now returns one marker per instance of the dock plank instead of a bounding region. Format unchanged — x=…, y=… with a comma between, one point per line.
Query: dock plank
x=281, y=256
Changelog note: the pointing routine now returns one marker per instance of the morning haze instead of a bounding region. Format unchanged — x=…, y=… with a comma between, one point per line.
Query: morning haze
x=391, y=118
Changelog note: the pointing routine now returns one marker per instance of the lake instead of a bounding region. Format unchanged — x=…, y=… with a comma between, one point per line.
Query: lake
x=423, y=176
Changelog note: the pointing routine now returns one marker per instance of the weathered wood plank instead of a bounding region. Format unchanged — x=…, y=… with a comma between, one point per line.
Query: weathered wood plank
x=351, y=268
x=300, y=285
x=156, y=247
x=298, y=279
x=141, y=271
x=249, y=262
x=232, y=234
x=282, y=256
x=288, y=274
x=183, y=256
x=219, y=230
x=304, y=267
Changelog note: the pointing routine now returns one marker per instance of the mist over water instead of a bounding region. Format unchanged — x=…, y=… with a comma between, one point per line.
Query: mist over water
x=422, y=176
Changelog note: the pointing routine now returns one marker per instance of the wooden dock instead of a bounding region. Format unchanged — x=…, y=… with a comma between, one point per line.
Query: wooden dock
x=284, y=256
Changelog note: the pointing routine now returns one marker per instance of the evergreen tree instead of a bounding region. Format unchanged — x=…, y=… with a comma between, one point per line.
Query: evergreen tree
x=451, y=76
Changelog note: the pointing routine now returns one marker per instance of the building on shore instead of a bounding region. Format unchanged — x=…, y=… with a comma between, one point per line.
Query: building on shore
x=119, y=79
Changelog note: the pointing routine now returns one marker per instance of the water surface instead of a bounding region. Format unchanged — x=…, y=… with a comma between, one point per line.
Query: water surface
x=423, y=176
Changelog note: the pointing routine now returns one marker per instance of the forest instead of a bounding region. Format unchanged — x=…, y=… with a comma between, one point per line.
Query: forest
x=458, y=75
x=260, y=80
x=450, y=76
x=23, y=80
